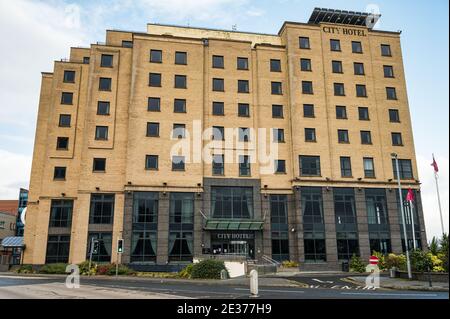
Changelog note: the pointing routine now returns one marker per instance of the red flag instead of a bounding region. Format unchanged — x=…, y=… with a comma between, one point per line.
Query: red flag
x=410, y=195
x=435, y=166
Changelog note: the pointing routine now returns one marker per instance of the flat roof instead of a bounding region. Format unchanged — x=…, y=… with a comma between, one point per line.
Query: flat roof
x=320, y=15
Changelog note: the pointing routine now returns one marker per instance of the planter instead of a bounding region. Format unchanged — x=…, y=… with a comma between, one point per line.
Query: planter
x=424, y=276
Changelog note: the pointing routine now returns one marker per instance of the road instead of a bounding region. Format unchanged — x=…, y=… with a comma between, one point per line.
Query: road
x=134, y=288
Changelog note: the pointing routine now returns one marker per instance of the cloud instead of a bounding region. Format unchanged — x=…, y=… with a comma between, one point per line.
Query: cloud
x=429, y=195
x=14, y=173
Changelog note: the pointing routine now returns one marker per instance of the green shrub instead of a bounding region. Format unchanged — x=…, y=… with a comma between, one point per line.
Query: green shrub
x=289, y=264
x=123, y=270
x=437, y=263
x=208, y=269
x=421, y=261
x=84, y=268
x=443, y=251
x=356, y=264
x=186, y=272
x=25, y=269
x=53, y=269
x=395, y=261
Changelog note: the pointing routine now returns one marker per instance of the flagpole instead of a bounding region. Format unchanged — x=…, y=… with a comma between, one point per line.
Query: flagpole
x=438, y=195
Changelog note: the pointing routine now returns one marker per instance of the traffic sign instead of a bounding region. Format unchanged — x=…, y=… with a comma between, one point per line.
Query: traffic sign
x=373, y=260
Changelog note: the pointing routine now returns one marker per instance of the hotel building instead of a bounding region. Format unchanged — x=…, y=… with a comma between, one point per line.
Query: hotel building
x=331, y=94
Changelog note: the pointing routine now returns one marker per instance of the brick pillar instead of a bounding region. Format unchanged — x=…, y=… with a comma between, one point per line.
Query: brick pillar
x=163, y=229
x=363, y=224
x=394, y=218
x=330, y=227
x=266, y=236
x=298, y=214
x=198, y=226
x=127, y=227
x=419, y=208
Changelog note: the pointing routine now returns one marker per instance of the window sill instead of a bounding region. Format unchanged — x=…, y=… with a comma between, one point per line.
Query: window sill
x=151, y=169
x=102, y=172
x=59, y=179
x=154, y=86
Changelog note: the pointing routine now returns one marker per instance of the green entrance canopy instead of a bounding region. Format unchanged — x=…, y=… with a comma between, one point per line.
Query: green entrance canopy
x=233, y=224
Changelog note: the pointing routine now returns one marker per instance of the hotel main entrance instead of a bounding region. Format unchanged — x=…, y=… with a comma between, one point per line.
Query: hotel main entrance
x=233, y=243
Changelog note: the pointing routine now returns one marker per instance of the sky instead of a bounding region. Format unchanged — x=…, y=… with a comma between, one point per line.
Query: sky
x=36, y=33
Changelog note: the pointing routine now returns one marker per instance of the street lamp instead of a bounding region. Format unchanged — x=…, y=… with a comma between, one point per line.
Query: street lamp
x=408, y=262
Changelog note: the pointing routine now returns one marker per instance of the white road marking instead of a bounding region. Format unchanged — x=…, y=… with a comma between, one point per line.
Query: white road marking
x=272, y=290
x=323, y=282
x=388, y=294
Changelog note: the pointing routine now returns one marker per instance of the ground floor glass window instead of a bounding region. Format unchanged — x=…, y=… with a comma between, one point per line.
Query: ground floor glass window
x=180, y=246
x=280, y=246
x=143, y=246
x=58, y=247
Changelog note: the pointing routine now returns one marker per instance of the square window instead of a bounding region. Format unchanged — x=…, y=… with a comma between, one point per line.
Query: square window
x=151, y=162
x=308, y=110
x=154, y=104
x=154, y=79
x=305, y=65
x=104, y=84
x=153, y=129
x=102, y=108
x=356, y=47
x=363, y=113
x=180, y=81
x=275, y=65
x=391, y=93
x=388, y=71
x=106, y=61
x=244, y=134
x=310, y=135
x=307, y=87
x=62, y=143
x=277, y=111
x=358, y=68
x=242, y=63
x=394, y=116
x=336, y=66
x=366, y=137
x=101, y=132
x=218, y=133
x=218, y=85
x=343, y=136
x=278, y=135
x=335, y=45
x=276, y=88
x=243, y=86
x=59, y=173
x=179, y=106
x=86, y=60
x=181, y=58
x=339, y=89
x=341, y=112
x=280, y=166
x=178, y=163
x=309, y=165
x=361, y=90
x=304, y=43
x=397, y=139
x=217, y=61
x=386, y=50
x=127, y=44
x=67, y=98
x=156, y=56
x=218, y=108
x=99, y=164
x=64, y=120
x=69, y=77
x=179, y=131
x=243, y=110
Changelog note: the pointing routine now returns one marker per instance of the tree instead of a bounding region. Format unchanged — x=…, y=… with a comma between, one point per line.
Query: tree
x=443, y=251
x=434, y=246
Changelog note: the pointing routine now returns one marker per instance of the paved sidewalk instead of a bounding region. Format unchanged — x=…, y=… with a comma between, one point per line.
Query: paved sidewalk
x=242, y=281
x=403, y=284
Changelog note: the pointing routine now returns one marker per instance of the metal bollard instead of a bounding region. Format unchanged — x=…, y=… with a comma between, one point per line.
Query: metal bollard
x=254, y=283
x=223, y=274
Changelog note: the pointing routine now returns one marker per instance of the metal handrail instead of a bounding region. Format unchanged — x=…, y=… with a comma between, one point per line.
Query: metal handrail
x=271, y=260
